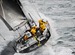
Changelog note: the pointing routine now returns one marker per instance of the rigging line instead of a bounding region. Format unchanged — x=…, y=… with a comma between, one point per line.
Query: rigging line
x=30, y=12
x=36, y=10
x=2, y=36
x=3, y=16
x=3, y=9
x=32, y=18
x=18, y=32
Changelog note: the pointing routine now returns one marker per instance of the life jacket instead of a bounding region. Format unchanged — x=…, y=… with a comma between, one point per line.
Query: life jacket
x=33, y=30
x=25, y=37
x=42, y=25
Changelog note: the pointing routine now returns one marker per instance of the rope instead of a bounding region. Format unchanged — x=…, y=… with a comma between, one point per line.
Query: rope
x=3, y=15
x=2, y=36
x=2, y=9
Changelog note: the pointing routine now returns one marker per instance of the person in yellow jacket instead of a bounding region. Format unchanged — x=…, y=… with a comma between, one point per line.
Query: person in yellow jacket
x=25, y=40
x=42, y=25
x=25, y=37
x=33, y=31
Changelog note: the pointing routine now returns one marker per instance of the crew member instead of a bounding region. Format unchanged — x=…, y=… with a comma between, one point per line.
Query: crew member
x=42, y=25
x=33, y=31
x=25, y=39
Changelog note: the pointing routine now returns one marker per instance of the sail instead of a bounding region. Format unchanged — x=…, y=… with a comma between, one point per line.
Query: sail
x=12, y=12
